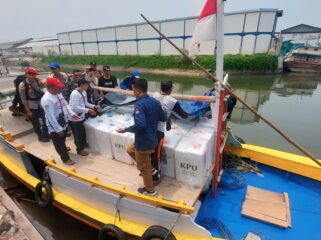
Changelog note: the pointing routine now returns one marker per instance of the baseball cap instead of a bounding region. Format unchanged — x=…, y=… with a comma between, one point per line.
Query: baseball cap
x=106, y=68
x=31, y=70
x=93, y=63
x=82, y=81
x=55, y=82
x=54, y=65
x=136, y=74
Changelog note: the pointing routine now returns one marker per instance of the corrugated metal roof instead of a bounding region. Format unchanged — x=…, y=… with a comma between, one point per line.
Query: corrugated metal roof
x=301, y=28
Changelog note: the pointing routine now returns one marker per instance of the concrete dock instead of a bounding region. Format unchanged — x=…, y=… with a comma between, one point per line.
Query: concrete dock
x=14, y=225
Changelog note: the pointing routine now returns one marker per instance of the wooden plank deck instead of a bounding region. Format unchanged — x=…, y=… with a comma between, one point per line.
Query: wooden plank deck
x=15, y=125
x=107, y=170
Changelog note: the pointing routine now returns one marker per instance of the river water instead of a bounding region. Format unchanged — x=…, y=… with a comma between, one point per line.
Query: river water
x=290, y=101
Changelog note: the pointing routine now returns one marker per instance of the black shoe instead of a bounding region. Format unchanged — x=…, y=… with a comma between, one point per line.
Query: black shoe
x=68, y=134
x=43, y=139
x=145, y=192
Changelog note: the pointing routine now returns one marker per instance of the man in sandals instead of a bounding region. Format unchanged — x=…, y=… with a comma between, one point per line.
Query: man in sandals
x=57, y=112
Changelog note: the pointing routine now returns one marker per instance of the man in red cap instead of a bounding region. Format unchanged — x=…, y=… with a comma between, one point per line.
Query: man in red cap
x=57, y=114
x=31, y=94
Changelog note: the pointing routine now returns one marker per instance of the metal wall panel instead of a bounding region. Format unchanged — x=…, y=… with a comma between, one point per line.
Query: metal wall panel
x=127, y=48
x=89, y=36
x=167, y=49
x=172, y=29
x=63, y=38
x=77, y=49
x=189, y=26
x=145, y=31
x=232, y=44
x=91, y=48
x=107, y=34
x=251, y=23
x=150, y=47
x=107, y=48
x=125, y=33
x=262, y=43
x=66, y=49
x=267, y=22
x=75, y=37
x=248, y=44
x=234, y=23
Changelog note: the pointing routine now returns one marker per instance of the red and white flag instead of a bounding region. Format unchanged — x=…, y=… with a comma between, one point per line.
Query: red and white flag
x=205, y=29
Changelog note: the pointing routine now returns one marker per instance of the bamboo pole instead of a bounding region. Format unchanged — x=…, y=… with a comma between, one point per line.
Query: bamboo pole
x=177, y=96
x=212, y=77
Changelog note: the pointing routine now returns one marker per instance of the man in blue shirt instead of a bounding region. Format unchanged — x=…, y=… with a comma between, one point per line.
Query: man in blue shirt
x=148, y=112
x=127, y=83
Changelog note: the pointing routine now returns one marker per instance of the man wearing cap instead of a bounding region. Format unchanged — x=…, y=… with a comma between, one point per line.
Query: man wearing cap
x=97, y=72
x=63, y=77
x=31, y=94
x=107, y=80
x=79, y=104
x=90, y=77
x=72, y=83
x=127, y=83
x=57, y=113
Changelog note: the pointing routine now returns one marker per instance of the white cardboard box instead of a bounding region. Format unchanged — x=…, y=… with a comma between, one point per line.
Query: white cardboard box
x=207, y=134
x=168, y=157
x=190, y=161
x=179, y=128
x=98, y=135
x=119, y=143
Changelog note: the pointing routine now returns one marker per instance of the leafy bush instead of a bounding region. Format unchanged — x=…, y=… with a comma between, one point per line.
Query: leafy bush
x=258, y=62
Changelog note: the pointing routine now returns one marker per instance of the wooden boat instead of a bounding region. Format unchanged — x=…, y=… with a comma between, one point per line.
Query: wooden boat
x=102, y=192
x=304, y=59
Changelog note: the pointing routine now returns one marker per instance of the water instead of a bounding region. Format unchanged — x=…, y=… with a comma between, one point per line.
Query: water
x=292, y=102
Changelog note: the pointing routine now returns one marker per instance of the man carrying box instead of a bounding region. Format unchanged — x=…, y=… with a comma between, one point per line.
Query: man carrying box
x=148, y=112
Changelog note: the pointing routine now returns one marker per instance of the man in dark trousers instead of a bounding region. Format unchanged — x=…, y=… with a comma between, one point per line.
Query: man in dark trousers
x=57, y=113
x=17, y=107
x=148, y=112
x=79, y=104
x=30, y=95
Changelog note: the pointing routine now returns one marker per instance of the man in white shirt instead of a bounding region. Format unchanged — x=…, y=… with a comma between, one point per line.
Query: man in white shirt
x=79, y=104
x=57, y=112
x=169, y=105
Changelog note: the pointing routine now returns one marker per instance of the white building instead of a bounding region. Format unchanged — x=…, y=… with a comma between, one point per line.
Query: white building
x=44, y=46
x=304, y=34
x=246, y=32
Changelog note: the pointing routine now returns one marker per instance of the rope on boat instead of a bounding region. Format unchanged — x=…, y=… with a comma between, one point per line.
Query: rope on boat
x=232, y=179
x=231, y=161
x=171, y=230
x=117, y=209
x=216, y=227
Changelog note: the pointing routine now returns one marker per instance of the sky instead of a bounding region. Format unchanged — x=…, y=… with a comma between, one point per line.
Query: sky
x=21, y=19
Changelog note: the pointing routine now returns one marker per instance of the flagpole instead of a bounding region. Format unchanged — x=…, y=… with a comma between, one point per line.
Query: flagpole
x=220, y=39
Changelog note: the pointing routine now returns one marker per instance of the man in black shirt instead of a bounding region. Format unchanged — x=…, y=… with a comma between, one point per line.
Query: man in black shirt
x=107, y=80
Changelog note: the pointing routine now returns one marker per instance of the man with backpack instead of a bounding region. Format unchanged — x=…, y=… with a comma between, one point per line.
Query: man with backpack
x=17, y=107
x=31, y=94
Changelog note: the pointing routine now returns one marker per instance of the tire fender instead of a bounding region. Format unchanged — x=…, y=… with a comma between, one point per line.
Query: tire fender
x=110, y=230
x=47, y=200
x=157, y=232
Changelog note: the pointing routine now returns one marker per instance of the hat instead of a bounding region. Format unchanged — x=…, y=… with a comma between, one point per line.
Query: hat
x=136, y=74
x=93, y=63
x=54, y=65
x=31, y=70
x=106, y=68
x=82, y=81
x=55, y=82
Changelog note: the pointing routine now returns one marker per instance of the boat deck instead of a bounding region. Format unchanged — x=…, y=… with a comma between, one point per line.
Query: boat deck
x=95, y=165
x=305, y=208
